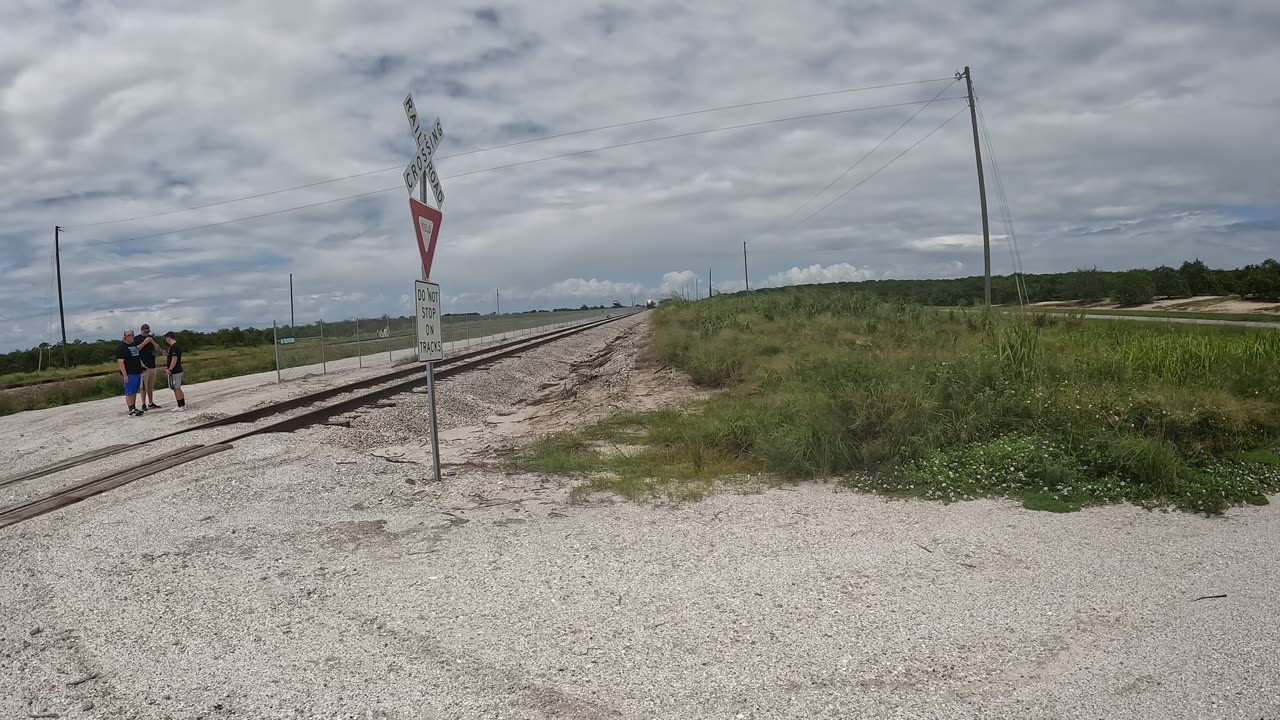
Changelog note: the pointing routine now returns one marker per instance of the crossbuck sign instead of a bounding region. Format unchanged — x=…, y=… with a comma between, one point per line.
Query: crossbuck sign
x=428, y=140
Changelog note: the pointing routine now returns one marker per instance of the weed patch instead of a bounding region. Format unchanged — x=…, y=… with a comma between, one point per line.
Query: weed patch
x=1056, y=412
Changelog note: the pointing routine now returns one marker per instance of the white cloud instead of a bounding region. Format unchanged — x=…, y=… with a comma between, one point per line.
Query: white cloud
x=813, y=274
x=947, y=243
x=146, y=107
x=590, y=289
x=682, y=282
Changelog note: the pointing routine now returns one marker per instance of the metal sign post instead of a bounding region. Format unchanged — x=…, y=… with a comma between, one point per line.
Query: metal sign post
x=430, y=349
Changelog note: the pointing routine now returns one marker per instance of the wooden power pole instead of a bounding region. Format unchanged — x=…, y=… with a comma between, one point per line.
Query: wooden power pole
x=62, y=316
x=982, y=192
x=746, y=279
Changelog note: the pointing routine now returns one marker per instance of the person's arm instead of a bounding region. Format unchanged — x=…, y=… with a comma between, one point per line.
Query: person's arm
x=173, y=360
x=148, y=340
x=123, y=374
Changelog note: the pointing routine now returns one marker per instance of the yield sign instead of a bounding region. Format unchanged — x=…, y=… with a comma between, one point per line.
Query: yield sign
x=426, y=224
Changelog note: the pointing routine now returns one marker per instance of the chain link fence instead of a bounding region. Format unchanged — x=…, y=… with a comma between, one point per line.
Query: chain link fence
x=328, y=346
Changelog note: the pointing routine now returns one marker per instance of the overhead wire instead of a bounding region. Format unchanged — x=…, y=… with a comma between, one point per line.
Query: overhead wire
x=895, y=158
x=1006, y=210
x=522, y=163
x=1002, y=207
x=870, y=152
x=1017, y=246
x=522, y=142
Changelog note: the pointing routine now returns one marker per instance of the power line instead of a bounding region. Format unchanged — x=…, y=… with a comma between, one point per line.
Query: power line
x=860, y=160
x=697, y=132
x=530, y=162
x=864, y=180
x=520, y=142
x=1006, y=210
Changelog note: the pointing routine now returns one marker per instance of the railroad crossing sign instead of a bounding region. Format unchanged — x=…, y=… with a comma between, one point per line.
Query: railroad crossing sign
x=426, y=224
x=422, y=168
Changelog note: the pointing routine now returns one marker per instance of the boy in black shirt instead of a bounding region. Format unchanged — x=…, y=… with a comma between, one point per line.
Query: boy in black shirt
x=147, y=347
x=130, y=363
x=175, y=371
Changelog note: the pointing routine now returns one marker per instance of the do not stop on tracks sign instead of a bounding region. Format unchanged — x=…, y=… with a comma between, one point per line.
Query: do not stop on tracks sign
x=430, y=347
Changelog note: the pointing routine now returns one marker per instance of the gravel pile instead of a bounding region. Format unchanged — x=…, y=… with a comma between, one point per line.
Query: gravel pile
x=470, y=398
x=302, y=579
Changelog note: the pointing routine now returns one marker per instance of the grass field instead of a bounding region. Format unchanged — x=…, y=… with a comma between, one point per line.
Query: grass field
x=218, y=363
x=902, y=400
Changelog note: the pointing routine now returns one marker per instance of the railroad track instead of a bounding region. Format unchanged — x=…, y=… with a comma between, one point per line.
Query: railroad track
x=384, y=386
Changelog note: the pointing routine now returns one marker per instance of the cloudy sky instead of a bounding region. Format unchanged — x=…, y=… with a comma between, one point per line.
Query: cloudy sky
x=1126, y=135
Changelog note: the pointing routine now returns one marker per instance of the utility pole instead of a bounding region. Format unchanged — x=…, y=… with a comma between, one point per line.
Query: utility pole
x=497, y=303
x=697, y=293
x=746, y=279
x=291, y=320
x=982, y=192
x=708, y=283
x=62, y=316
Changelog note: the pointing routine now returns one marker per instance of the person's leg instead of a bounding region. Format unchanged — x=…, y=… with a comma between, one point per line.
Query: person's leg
x=175, y=383
x=131, y=390
x=148, y=386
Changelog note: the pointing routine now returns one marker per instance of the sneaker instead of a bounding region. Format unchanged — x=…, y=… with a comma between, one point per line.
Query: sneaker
x=134, y=413
x=179, y=408
x=153, y=406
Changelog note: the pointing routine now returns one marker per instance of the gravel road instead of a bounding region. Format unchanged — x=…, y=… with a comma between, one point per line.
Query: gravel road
x=300, y=576
x=1187, y=321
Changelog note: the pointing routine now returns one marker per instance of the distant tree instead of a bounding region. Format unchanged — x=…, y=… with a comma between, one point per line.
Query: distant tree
x=1135, y=288
x=1170, y=282
x=1085, y=284
x=1262, y=282
x=1199, y=278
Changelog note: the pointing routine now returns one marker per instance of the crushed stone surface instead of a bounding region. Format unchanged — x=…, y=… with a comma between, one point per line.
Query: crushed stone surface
x=303, y=575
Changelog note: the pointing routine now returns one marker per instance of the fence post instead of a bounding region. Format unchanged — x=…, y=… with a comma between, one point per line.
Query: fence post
x=359, y=359
x=323, y=367
x=275, y=341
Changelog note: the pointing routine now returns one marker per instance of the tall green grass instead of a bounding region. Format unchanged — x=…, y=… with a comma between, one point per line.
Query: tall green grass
x=1057, y=411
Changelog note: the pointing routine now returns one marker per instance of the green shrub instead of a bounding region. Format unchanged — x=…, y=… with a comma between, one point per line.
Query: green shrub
x=1060, y=413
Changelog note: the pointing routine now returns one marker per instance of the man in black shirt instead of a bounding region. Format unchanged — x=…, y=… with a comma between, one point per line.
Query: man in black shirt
x=175, y=371
x=147, y=348
x=130, y=362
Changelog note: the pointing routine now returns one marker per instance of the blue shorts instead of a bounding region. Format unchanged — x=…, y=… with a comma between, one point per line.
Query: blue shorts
x=131, y=385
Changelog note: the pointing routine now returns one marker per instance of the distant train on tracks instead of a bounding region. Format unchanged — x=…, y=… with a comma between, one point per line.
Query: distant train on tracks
x=650, y=304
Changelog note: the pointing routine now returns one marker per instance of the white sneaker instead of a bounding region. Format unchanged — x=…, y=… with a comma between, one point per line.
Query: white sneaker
x=179, y=408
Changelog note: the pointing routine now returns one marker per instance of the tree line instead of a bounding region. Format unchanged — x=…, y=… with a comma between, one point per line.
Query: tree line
x=1127, y=287
x=97, y=352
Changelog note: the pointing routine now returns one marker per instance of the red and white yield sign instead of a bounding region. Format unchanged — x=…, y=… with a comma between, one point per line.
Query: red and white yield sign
x=426, y=224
